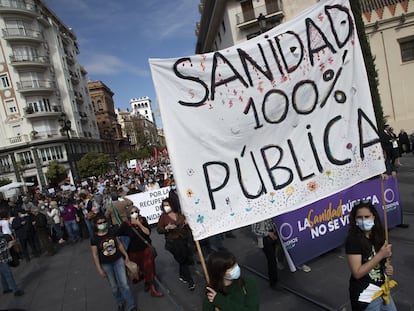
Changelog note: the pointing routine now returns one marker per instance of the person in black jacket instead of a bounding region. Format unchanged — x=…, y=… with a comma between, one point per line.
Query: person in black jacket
x=42, y=229
x=25, y=233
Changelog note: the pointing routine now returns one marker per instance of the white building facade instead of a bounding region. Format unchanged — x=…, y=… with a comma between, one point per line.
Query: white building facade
x=43, y=87
x=142, y=106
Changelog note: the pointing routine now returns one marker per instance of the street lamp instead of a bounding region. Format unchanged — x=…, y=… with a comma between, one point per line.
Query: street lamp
x=66, y=126
x=262, y=22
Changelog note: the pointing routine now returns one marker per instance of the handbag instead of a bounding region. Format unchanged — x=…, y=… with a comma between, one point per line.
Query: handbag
x=132, y=271
x=154, y=251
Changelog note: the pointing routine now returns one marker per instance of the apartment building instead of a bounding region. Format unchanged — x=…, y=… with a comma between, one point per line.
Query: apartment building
x=389, y=27
x=46, y=112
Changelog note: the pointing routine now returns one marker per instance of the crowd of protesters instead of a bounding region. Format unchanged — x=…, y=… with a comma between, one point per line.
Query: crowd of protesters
x=40, y=223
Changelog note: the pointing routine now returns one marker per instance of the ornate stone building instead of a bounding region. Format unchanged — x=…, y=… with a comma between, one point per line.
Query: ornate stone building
x=45, y=109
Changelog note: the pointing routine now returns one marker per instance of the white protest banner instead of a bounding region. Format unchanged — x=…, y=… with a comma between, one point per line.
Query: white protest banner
x=270, y=125
x=149, y=203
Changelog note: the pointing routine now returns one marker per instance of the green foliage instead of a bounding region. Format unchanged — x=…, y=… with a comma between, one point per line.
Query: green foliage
x=369, y=64
x=55, y=172
x=94, y=164
x=144, y=152
x=124, y=157
x=5, y=181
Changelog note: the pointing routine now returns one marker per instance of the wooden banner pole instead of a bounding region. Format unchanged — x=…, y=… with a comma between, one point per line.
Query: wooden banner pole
x=384, y=207
x=203, y=263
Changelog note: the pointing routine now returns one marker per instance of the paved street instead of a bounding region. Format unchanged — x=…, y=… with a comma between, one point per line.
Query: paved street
x=69, y=281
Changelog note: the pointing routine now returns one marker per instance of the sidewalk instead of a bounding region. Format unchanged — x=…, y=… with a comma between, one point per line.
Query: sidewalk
x=68, y=281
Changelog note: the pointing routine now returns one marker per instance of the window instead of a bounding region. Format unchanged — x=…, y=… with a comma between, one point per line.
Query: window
x=5, y=165
x=407, y=50
x=51, y=153
x=11, y=107
x=25, y=157
x=39, y=104
x=4, y=81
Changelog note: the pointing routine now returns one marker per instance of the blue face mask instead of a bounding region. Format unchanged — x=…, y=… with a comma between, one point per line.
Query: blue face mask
x=235, y=273
x=365, y=225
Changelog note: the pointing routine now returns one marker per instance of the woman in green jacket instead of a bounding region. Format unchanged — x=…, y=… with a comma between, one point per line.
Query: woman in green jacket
x=228, y=291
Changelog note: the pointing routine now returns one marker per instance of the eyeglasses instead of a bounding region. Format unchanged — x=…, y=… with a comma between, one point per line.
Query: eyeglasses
x=100, y=223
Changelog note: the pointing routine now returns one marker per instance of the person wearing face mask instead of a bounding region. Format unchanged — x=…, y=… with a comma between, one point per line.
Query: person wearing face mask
x=368, y=257
x=173, y=195
x=228, y=290
x=175, y=229
x=107, y=251
x=139, y=249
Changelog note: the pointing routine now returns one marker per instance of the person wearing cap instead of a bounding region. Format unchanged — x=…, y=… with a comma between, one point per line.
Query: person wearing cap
x=39, y=222
x=54, y=214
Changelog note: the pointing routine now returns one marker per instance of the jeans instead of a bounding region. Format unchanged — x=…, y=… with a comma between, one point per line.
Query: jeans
x=89, y=226
x=125, y=240
x=72, y=229
x=7, y=279
x=115, y=272
x=58, y=230
x=378, y=305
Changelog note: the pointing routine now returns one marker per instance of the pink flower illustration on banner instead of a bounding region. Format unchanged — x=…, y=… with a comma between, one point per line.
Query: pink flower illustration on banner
x=353, y=150
x=189, y=193
x=312, y=186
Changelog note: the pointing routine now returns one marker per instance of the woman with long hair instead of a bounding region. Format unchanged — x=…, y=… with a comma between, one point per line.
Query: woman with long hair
x=367, y=253
x=228, y=290
x=139, y=249
x=175, y=229
x=107, y=252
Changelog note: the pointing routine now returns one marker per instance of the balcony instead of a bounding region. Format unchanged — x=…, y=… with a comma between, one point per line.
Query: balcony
x=34, y=113
x=78, y=97
x=22, y=34
x=26, y=61
x=272, y=11
x=74, y=77
x=36, y=86
x=19, y=139
x=69, y=59
x=20, y=7
x=83, y=116
x=49, y=134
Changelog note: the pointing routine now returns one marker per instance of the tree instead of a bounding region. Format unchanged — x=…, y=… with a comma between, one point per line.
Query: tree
x=4, y=181
x=94, y=164
x=369, y=64
x=55, y=172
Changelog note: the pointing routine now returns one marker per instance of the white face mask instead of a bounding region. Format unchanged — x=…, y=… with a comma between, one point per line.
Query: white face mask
x=134, y=215
x=167, y=208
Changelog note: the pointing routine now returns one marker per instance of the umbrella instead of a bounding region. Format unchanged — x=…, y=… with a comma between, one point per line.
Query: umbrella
x=15, y=184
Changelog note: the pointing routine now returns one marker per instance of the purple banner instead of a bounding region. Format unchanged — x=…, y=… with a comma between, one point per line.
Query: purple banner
x=322, y=226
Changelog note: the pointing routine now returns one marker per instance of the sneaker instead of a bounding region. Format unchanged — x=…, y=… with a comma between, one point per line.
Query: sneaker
x=183, y=280
x=305, y=268
x=191, y=286
x=7, y=291
x=121, y=307
x=61, y=241
x=18, y=292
